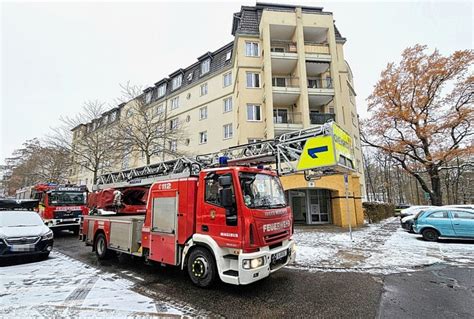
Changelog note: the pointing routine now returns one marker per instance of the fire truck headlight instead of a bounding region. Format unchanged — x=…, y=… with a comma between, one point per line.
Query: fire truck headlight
x=48, y=235
x=253, y=263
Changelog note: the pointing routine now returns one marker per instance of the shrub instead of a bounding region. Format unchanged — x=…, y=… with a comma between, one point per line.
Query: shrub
x=376, y=212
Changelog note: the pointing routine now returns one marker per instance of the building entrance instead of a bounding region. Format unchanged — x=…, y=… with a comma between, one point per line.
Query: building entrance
x=311, y=206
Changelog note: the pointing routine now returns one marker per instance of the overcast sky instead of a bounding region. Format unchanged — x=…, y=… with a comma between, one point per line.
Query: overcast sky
x=56, y=55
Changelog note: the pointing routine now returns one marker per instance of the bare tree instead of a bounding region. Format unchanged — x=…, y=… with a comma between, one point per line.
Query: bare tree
x=34, y=163
x=146, y=129
x=89, y=138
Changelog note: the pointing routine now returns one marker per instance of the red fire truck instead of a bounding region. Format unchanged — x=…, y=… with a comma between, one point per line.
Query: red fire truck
x=60, y=206
x=220, y=215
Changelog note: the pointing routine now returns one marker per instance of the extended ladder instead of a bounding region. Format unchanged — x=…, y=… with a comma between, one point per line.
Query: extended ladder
x=283, y=152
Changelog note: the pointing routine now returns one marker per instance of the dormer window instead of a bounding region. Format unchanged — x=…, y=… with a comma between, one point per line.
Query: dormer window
x=205, y=66
x=228, y=55
x=162, y=90
x=177, y=80
x=113, y=116
x=190, y=77
x=148, y=97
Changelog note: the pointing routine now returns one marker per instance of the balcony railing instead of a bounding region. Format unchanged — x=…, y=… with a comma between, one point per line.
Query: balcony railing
x=321, y=118
x=316, y=48
x=283, y=47
x=286, y=117
x=285, y=82
x=319, y=83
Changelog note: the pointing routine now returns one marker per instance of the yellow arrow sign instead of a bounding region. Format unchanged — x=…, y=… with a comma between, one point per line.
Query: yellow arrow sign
x=318, y=152
x=328, y=150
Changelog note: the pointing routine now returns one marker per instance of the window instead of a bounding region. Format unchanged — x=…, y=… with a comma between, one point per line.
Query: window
x=280, y=116
x=203, y=137
x=254, y=140
x=251, y=49
x=205, y=66
x=228, y=132
x=160, y=109
x=190, y=77
x=228, y=104
x=204, y=89
x=173, y=145
x=203, y=113
x=177, y=80
x=438, y=215
x=227, y=79
x=253, y=112
x=228, y=55
x=129, y=113
x=113, y=116
x=462, y=215
x=253, y=80
x=331, y=110
x=160, y=128
x=105, y=119
x=279, y=82
x=212, y=188
x=173, y=124
x=148, y=96
x=162, y=90
x=277, y=49
x=175, y=103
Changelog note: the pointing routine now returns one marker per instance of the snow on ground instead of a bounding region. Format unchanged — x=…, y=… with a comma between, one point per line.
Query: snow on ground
x=64, y=287
x=378, y=248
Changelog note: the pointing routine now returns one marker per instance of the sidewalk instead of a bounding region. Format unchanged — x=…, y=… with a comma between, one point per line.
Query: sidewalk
x=377, y=248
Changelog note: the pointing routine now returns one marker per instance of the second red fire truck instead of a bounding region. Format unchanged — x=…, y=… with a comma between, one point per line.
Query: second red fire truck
x=60, y=206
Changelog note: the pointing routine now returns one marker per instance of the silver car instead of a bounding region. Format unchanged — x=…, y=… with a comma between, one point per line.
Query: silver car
x=24, y=233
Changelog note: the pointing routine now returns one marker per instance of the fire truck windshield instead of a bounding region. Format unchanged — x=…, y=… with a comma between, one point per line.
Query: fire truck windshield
x=262, y=191
x=66, y=198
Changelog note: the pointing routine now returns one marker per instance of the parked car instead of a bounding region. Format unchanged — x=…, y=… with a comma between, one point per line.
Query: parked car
x=412, y=210
x=399, y=207
x=461, y=206
x=408, y=221
x=24, y=233
x=444, y=222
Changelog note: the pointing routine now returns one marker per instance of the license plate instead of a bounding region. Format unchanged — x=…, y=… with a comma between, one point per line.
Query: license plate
x=68, y=220
x=280, y=255
x=22, y=248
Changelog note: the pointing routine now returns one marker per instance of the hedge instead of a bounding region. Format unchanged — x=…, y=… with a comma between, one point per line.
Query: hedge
x=376, y=212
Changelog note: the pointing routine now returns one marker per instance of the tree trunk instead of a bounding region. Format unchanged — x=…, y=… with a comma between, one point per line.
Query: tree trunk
x=436, y=193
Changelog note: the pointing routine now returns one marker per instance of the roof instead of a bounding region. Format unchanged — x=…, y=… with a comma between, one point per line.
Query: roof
x=247, y=21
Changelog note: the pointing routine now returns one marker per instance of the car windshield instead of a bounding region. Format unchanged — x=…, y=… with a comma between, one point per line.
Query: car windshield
x=66, y=198
x=262, y=191
x=19, y=219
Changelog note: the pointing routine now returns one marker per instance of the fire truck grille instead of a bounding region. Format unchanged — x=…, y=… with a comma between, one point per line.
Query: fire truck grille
x=21, y=240
x=67, y=214
x=277, y=236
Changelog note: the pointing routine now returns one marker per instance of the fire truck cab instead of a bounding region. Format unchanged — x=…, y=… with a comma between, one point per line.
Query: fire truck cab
x=61, y=206
x=231, y=223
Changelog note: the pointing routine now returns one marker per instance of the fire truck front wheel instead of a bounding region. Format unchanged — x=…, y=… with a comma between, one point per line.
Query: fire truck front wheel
x=100, y=247
x=201, y=267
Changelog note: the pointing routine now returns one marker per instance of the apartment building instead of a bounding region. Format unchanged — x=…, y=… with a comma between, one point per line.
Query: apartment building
x=284, y=71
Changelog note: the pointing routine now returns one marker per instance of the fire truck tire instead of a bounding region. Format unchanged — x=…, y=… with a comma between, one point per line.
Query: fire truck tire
x=202, y=268
x=100, y=247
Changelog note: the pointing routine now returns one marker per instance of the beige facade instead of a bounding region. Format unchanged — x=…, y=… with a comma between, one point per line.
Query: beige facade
x=285, y=70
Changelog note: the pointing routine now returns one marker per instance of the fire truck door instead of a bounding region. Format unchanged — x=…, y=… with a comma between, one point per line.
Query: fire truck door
x=163, y=235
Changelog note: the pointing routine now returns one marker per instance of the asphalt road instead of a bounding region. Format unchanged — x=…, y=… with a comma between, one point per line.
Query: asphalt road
x=295, y=293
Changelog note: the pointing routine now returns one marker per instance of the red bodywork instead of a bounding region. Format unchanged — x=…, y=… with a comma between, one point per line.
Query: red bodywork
x=255, y=227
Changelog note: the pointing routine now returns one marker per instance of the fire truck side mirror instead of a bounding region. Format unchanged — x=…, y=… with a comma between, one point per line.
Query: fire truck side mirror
x=225, y=181
x=226, y=197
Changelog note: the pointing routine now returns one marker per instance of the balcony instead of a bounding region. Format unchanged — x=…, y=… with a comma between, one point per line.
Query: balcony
x=284, y=56
x=285, y=121
x=321, y=118
x=320, y=91
x=286, y=90
x=317, y=52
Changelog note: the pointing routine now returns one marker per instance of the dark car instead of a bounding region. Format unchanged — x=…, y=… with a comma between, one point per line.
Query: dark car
x=24, y=233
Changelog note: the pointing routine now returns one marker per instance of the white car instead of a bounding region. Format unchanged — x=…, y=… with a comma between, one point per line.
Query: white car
x=412, y=210
x=24, y=233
